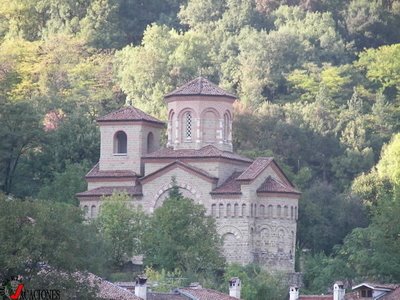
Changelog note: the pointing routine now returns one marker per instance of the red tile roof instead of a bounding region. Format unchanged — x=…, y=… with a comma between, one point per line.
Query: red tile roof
x=129, y=113
x=110, y=291
x=108, y=191
x=200, y=86
x=230, y=186
x=179, y=163
x=205, y=294
x=271, y=185
x=164, y=296
x=96, y=173
x=207, y=151
x=255, y=168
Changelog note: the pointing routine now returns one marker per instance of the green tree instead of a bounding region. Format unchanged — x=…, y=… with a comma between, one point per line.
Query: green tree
x=20, y=132
x=122, y=227
x=66, y=184
x=257, y=284
x=182, y=237
x=44, y=235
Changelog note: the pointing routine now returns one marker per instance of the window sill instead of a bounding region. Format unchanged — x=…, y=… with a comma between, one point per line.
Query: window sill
x=120, y=154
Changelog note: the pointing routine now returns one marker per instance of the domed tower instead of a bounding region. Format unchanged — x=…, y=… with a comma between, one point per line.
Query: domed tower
x=200, y=114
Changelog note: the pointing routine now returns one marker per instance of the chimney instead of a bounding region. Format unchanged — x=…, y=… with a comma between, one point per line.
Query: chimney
x=141, y=287
x=338, y=291
x=234, y=287
x=293, y=293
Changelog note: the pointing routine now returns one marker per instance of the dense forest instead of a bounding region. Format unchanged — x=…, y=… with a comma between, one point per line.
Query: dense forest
x=318, y=83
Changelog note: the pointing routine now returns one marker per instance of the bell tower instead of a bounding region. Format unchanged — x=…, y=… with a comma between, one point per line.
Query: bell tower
x=126, y=135
x=200, y=114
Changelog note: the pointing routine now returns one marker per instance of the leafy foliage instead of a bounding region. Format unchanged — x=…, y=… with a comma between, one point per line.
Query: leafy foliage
x=122, y=227
x=182, y=237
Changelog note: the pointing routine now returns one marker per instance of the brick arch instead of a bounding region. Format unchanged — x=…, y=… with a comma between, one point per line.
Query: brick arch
x=188, y=191
x=229, y=229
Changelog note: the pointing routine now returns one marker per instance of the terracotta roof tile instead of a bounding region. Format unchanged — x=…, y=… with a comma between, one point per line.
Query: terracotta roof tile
x=255, y=168
x=165, y=296
x=108, y=191
x=271, y=185
x=205, y=294
x=129, y=113
x=110, y=291
x=207, y=151
x=230, y=186
x=200, y=86
x=96, y=173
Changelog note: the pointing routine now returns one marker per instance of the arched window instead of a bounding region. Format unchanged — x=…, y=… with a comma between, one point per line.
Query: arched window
x=120, y=142
x=228, y=210
x=210, y=126
x=286, y=211
x=86, y=210
x=227, y=126
x=295, y=213
x=214, y=210
x=291, y=212
x=236, y=210
x=221, y=210
x=150, y=143
x=262, y=211
x=171, y=124
x=244, y=210
x=188, y=124
x=278, y=211
x=93, y=212
x=270, y=211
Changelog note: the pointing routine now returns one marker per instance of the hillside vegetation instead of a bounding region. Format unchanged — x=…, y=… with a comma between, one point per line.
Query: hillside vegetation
x=319, y=89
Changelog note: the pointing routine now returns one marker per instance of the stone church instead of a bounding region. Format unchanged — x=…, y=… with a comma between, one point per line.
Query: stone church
x=253, y=202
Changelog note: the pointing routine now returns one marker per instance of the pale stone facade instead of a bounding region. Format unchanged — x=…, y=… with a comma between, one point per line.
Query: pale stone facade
x=254, y=204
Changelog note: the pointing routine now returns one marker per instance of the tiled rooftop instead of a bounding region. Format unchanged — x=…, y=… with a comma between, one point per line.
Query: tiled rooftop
x=96, y=173
x=200, y=86
x=129, y=113
x=205, y=294
x=110, y=291
x=230, y=186
x=255, y=168
x=207, y=151
x=108, y=191
x=271, y=185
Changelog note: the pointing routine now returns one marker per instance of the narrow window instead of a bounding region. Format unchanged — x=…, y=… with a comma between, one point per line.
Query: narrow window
x=221, y=210
x=295, y=213
x=86, y=210
x=270, y=211
x=228, y=210
x=262, y=211
x=236, y=210
x=188, y=125
x=291, y=212
x=244, y=210
x=150, y=142
x=120, y=142
x=279, y=211
x=214, y=210
x=93, y=211
x=286, y=211
x=226, y=127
